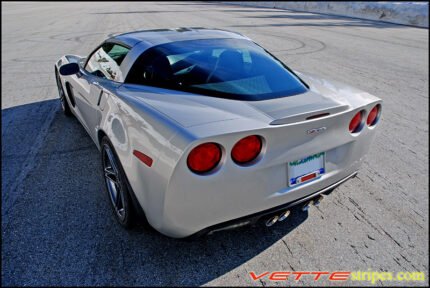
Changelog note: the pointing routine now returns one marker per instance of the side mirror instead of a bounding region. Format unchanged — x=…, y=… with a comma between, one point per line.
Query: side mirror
x=69, y=69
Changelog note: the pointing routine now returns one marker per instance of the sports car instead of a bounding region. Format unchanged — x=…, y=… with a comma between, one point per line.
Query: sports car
x=202, y=130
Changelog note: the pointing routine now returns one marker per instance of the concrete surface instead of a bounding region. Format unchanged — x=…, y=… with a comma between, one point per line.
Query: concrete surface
x=57, y=226
x=406, y=13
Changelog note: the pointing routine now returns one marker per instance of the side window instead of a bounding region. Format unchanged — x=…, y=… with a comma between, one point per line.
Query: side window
x=152, y=68
x=105, y=61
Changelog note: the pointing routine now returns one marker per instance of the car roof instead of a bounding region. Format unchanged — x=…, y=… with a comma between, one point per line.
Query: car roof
x=161, y=36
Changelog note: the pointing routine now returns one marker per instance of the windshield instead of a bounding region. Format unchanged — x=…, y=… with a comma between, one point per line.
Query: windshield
x=228, y=68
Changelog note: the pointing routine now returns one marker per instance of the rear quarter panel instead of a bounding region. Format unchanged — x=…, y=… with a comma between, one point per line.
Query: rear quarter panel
x=131, y=125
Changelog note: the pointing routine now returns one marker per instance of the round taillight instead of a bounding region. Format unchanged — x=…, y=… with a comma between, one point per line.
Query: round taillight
x=355, y=123
x=373, y=115
x=246, y=149
x=204, y=158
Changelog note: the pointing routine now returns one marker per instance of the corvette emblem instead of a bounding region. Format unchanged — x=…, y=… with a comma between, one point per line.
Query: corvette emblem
x=316, y=130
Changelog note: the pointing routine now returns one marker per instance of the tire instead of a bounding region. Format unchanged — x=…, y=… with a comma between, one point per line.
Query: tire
x=117, y=186
x=64, y=104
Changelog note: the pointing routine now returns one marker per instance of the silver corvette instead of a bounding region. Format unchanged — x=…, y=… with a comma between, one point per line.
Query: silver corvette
x=202, y=130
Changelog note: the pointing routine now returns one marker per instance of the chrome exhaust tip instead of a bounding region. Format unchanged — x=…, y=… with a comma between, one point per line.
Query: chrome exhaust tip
x=272, y=221
x=318, y=201
x=284, y=215
x=308, y=205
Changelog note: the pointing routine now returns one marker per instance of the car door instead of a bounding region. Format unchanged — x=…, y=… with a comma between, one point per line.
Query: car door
x=101, y=71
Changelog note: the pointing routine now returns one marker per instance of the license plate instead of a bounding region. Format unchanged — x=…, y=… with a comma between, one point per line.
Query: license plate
x=306, y=169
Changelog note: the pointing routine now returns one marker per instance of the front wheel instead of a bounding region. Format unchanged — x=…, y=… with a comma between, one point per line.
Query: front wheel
x=64, y=104
x=116, y=185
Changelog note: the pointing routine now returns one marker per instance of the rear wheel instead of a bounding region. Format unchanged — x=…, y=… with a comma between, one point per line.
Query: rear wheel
x=64, y=104
x=116, y=185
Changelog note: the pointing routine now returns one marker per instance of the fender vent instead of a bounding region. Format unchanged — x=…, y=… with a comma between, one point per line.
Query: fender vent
x=69, y=90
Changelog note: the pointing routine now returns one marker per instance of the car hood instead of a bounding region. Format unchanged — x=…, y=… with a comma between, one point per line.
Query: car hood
x=193, y=110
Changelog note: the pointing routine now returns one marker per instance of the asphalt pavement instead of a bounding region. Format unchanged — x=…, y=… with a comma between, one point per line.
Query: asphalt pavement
x=58, y=228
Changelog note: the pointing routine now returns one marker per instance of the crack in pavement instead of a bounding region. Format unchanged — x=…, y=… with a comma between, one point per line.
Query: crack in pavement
x=29, y=163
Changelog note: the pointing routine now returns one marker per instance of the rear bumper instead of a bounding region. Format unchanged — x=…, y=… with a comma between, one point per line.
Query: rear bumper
x=194, y=202
x=256, y=217
x=189, y=202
